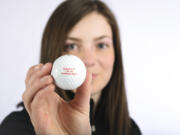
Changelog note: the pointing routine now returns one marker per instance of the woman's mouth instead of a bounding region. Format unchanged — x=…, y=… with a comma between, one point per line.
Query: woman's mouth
x=94, y=75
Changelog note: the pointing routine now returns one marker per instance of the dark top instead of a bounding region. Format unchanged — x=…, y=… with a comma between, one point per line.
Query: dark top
x=18, y=123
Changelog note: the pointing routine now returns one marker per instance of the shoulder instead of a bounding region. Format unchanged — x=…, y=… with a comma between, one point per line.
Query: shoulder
x=17, y=123
x=135, y=130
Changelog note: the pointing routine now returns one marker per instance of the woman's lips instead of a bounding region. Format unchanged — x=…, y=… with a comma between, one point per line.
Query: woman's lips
x=94, y=76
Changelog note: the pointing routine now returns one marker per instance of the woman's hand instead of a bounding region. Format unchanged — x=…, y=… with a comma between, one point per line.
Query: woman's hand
x=49, y=113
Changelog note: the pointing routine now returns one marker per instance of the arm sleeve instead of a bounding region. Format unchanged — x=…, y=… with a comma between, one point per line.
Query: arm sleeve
x=17, y=123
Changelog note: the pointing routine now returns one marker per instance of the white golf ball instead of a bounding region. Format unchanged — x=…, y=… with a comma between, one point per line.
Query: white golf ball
x=69, y=72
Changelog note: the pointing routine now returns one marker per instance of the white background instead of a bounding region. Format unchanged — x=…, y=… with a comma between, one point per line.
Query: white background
x=150, y=35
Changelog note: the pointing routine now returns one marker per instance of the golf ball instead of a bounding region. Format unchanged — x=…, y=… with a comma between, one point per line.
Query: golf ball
x=69, y=72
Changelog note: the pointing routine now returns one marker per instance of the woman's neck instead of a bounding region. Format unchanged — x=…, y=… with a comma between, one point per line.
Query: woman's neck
x=95, y=97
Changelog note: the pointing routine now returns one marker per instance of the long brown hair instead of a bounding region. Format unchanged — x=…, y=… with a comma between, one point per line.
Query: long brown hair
x=113, y=97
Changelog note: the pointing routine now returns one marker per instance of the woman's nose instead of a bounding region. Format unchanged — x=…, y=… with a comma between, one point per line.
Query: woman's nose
x=88, y=57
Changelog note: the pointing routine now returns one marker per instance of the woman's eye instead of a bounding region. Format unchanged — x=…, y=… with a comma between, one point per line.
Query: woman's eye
x=102, y=45
x=69, y=47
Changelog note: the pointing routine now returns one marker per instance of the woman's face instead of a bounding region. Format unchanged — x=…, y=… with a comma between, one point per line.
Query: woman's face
x=91, y=40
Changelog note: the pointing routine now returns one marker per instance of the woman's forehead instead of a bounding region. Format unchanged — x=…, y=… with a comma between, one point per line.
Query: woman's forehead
x=93, y=25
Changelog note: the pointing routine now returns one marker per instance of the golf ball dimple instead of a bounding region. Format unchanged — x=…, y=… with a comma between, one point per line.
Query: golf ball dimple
x=69, y=72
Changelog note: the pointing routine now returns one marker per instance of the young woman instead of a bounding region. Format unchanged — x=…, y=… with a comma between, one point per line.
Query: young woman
x=87, y=29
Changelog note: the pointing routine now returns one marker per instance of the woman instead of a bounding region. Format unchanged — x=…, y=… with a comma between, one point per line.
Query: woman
x=87, y=29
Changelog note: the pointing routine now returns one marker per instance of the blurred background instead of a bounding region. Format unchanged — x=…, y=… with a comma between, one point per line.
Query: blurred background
x=150, y=36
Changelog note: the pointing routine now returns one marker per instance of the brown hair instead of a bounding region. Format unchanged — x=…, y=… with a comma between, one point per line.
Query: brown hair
x=113, y=97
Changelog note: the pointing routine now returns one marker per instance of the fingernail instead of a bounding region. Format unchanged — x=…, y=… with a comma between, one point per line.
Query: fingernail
x=44, y=67
x=36, y=67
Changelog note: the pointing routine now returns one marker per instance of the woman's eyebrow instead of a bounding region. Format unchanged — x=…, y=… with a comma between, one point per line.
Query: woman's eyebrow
x=95, y=39
x=101, y=37
x=74, y=38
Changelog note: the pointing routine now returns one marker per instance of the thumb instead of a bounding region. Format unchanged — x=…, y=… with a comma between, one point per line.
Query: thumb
x=83, y=93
